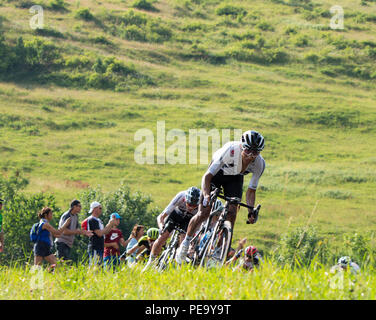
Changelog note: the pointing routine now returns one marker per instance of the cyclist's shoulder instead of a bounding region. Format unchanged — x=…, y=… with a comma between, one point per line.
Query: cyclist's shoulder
x=259, y=162
x=228, y=149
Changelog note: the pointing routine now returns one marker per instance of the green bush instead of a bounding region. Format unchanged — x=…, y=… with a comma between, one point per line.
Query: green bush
x=135, y=33
x=301, y=40
x=358, y=247
x=85, y=14
x=337, y=194
x=57, y=5
x=265, y=26
x=144, y=5
x=19, y=214
x=301, y=246
x=134, y=18
x=230, y=10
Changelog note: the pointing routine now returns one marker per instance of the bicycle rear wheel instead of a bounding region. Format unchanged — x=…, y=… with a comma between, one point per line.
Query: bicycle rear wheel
x=217, y=249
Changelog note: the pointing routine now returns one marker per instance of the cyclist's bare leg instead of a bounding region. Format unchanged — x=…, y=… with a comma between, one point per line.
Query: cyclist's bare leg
x=159, y=243
x=231, y=216
x=197, y=220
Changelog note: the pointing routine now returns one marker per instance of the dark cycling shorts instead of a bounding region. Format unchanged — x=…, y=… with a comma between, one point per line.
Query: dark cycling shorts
x=232, y=185
x=42, y=249
x=177, y=219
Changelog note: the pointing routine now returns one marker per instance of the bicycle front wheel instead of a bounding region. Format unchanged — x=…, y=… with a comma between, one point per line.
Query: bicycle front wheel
x=216, y=252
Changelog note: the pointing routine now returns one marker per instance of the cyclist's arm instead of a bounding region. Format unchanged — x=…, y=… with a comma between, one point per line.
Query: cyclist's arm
x=251, y=197
x=161, y=218
x=205, y=184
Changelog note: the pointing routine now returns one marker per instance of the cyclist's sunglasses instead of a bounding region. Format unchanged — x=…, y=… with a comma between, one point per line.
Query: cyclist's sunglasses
x=250, y=151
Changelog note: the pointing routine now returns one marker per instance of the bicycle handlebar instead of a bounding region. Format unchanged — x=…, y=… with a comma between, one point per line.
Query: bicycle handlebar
x=233, y=200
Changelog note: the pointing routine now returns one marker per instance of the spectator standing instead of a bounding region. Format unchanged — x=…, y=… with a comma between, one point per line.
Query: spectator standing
x=112, y=242
x=64, y=243
x=43, y=245
x=96, y=242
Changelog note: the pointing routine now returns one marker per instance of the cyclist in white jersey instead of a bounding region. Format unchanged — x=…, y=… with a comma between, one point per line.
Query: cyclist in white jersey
x=227, y=170
x=178, y=213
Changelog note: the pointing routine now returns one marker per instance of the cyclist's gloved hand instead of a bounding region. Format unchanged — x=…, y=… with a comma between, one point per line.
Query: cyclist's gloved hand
x=252, y=216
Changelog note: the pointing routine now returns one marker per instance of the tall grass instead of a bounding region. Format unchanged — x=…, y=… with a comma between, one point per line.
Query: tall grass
x=269, y=282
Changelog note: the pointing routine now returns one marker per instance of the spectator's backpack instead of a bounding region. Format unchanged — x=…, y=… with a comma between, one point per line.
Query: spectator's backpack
x=84, y=224
x=34, y=232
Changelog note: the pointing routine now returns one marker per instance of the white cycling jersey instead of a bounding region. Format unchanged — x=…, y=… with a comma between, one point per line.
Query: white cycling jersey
x=178, y=203
x=229, y=159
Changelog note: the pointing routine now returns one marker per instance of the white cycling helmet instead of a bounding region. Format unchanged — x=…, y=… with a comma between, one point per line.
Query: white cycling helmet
x=344, y=261
x=253, y=140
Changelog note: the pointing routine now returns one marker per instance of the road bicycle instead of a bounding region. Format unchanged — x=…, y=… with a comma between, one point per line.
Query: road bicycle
x=218, y=245
x=168, y=255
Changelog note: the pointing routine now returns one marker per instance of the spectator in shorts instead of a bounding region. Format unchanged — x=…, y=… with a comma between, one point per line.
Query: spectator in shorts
x=64, y=243
x=42, y=247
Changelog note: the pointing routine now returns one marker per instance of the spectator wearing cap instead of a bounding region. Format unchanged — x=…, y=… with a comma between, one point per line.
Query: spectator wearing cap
x=64, y=243
x=112, y=240
x=1, y=227
x=96, y=242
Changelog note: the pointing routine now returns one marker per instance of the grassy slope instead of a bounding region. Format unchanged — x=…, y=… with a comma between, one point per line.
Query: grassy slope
x=308, y=163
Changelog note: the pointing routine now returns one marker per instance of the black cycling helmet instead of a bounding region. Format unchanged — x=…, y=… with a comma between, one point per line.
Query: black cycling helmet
x=253, y=140
x=192, y=196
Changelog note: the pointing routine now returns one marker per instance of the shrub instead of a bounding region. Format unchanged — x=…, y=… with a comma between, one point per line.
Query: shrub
x=133, y=32
x=358, y=247
x=57, y=5
x=301, y=40
x=101, y=40
x=265, y=26
x=337, y=194
x=144, y=5
x=85, y=14
x=340, y=118
x=300, y=247
x=312, y=57
x=134, y=18
x=230, y=10
x=157, y=32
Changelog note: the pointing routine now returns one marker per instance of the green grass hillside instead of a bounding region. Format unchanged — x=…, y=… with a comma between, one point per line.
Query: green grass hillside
x=73, y=95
